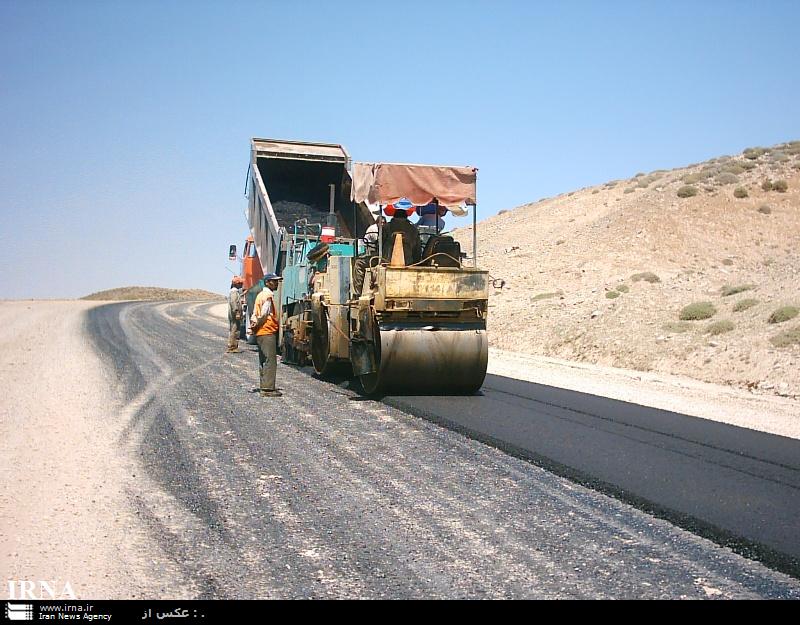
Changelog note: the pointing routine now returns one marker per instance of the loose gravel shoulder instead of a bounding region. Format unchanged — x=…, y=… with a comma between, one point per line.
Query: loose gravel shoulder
x=64, y=500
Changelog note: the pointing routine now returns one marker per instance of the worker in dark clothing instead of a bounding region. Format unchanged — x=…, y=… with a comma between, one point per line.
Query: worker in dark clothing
x=235, y=311
x=412, y=247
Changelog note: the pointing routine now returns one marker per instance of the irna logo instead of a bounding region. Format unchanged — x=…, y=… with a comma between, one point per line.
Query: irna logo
x=40, y=590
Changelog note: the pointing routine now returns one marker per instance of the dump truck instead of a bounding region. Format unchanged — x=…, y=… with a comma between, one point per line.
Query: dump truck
x=414, y=325
x=251, y=273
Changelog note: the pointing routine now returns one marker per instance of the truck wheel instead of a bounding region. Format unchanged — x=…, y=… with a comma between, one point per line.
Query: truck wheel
x=324, y=364
x=288, y=353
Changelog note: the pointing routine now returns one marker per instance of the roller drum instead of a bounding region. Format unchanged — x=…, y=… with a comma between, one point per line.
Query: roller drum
x=417, y=361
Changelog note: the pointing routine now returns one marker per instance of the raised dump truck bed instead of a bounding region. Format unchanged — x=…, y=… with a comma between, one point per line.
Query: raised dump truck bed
x=291, y=180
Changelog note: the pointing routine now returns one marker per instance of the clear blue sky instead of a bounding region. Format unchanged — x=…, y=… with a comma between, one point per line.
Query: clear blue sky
x=124, y=126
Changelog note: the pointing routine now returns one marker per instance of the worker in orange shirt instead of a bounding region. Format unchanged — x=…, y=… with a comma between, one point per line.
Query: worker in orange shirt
x=264, y=324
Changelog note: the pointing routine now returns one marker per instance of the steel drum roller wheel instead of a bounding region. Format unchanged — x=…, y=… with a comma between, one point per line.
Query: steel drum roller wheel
x=416, y=361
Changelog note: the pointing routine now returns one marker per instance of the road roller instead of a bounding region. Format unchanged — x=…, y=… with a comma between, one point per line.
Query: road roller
x=405, y=311
x=413, y=325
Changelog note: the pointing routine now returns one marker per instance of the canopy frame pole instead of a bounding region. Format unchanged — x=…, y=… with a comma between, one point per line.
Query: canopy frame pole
x=355, y=230
x=380, y=232
x=475, y=235
x=332, y=205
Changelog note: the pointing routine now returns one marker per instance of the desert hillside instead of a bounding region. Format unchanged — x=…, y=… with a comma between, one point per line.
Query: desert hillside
x=152, y=293
x=693, y=271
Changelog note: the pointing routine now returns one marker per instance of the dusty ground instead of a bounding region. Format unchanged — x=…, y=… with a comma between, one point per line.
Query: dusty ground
x=561, y=256
x=63, y=502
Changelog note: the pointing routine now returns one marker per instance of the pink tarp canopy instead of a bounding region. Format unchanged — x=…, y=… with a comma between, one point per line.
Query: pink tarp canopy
x=385, y=183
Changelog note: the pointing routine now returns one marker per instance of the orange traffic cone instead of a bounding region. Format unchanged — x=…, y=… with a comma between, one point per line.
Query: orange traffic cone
x=398, y=255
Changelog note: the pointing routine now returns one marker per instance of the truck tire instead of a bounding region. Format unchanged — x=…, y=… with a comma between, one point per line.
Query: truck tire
x=289, y=355
x=324, y=364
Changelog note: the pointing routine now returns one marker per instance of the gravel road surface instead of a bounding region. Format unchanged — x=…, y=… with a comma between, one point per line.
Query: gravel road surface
x=322, y=493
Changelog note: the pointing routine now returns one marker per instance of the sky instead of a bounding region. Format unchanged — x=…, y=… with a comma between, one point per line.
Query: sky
x=125, y=126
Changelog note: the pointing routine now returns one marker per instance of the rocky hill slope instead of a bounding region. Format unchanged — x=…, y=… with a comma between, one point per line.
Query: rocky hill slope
x=152, y=293
x=692, y=271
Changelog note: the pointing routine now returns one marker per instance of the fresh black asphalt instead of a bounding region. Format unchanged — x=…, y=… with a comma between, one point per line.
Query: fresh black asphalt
x=735, y=485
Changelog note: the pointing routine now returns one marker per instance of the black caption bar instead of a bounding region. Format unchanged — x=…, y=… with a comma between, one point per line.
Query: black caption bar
x=189, y=611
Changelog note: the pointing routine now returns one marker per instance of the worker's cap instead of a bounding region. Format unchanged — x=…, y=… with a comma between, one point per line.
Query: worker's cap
x=272, y=276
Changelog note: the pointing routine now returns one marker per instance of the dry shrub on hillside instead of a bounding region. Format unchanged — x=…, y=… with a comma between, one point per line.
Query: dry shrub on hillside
x=766, y=185
x=697, y=311
x=688, y=191
x=733, y=168
x=647, y=276
x=781, y=186
x=747, y=165
x=623, y=288
x=740, y=193
x=744, y=304
x=765, y=209
x=727, y=177
x=733, y=290
x=784, y=313
x=719, y=327
x=677, y=326
x=542, y=296
x=612, y=294
x=693, y=178
x=754, y=153
x=787, y=338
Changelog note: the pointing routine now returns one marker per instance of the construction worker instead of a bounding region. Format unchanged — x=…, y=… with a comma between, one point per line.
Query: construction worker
x=264, y=324
x=371, y=251
x=432, y=216
x=371, y=235
x=412, y=246
x=235, y=312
